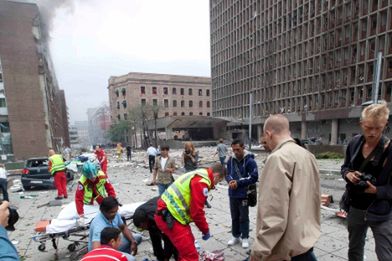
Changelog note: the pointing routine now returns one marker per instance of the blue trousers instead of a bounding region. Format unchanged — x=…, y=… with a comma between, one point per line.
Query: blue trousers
x=239, y=211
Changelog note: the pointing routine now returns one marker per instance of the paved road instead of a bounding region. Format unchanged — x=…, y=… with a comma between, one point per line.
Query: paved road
x=128, y=182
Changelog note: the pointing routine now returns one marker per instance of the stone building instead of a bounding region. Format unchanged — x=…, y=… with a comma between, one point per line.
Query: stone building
x=172, y=95
x=33, y=113
x=311, y=60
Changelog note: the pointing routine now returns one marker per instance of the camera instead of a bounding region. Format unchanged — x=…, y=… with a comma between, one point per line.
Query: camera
x=364, y=178
x=12, y=218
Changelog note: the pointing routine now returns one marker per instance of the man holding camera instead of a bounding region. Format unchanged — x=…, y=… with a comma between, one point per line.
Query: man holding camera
x=7, y=250
x=367, y=170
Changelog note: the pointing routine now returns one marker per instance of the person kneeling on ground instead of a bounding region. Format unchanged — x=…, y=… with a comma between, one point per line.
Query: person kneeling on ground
x=109, y=217
x=143, y=218
x=93, y=185
x=110, y=242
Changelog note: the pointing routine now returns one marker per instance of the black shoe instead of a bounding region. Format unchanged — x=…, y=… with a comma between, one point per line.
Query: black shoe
x=208, y=205
x=58, y=198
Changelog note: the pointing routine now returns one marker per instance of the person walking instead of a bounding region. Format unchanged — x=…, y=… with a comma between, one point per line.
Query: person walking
x=164, y=168
x=102, y=159
x=3, y=182
x=367, y=171
x=57, y=170
x=241, y=172
x=183, y=203
x=119, y=151
x=221, y=150
x=151, y=153
x=288, y=210
x=190, y=157
x=129, y=152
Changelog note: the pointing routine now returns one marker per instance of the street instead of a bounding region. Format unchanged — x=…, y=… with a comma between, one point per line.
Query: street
x=129, y=180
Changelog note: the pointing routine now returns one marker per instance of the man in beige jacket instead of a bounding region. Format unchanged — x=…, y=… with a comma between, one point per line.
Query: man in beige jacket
x=288, y=215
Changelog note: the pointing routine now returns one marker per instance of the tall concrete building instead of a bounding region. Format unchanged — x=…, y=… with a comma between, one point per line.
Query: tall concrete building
x=98, y=124
x=33, y=112
x=173, y=95
x=311, y=60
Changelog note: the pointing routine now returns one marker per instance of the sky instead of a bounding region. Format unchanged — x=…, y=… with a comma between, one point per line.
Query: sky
x=97, y=39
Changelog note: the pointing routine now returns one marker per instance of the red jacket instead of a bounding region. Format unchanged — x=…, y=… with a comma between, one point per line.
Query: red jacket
x=198, y=199
x=79, y=196
x=104, y=253
x=101, y=156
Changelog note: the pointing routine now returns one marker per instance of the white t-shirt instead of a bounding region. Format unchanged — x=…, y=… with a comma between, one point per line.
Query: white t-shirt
x=163, y=163
x=3, y=173
x=151, y=151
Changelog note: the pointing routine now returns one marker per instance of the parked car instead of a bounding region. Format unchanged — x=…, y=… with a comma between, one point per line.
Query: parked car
x=36, y=174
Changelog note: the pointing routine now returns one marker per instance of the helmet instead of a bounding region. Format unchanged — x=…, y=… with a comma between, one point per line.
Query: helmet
x=89, y=170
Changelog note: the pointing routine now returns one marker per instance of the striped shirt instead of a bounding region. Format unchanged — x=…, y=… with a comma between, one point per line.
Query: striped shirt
x=104, y=253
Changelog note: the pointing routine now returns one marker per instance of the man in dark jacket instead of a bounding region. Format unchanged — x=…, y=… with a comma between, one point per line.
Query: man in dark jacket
x=241, y=172
x=367, y=170
x=143, y=218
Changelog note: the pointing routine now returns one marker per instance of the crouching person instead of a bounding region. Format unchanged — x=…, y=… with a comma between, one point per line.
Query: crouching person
x=110, y=242
x=143, y=218
x=109, y=217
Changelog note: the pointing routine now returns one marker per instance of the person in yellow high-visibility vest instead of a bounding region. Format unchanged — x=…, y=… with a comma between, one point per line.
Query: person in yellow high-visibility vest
x=183, y=203
x=57, y=169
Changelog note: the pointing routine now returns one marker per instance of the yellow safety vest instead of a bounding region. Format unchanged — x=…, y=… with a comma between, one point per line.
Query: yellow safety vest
x=57, y=163
x=178, y=195
x=88, y=190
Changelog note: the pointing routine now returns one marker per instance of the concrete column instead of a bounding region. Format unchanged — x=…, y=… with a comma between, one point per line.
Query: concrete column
x=259, y=131
x=334, y=132
x=304, y=129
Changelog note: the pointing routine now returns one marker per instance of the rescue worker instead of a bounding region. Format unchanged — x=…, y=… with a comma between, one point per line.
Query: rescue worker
x=182, y=203
x=103, y=161
x=92, y=185
x=57, y=170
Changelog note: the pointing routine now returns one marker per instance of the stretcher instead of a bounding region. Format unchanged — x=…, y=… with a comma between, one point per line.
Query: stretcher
x=70, y=227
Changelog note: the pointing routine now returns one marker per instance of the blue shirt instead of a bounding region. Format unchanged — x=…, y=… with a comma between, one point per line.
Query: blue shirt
x=7, y=250
x=98, y=224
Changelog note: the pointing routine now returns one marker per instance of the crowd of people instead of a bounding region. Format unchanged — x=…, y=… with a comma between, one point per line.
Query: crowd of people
x=288, y=202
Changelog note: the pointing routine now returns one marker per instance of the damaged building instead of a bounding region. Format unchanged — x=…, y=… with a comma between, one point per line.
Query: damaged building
x=314, y=61
x=33, y=112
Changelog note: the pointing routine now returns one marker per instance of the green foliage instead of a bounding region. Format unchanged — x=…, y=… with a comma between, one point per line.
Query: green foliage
x=118, y=131
x=330, y=155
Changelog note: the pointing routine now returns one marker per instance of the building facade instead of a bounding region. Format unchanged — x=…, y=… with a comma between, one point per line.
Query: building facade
x=33, y=113
x=171, y=95
x=314, y=61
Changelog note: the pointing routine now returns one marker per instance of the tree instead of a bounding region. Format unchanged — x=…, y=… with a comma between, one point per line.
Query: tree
x=118, y=131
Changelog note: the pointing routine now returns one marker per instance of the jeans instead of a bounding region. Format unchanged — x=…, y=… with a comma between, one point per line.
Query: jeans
x=222, y=160
x=162, y=188
x=357, y=228
x=151, y=162
x=3, y=187
x=239, y=211
x=125, y=246
x=307, y=256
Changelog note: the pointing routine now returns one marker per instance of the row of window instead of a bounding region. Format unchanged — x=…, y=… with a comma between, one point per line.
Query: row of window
x=125, y=115
x=174, y=103
x=154, y=91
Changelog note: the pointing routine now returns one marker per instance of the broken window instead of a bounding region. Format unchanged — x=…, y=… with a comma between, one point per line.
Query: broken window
x=174, y=91
x=142, y=89
x=166, y=114
x=124, y=103
x=208, y=114
x=123, y=92
x=154, y=102
x=166, y=103
x=208, y=104
x=190, y=103
x=165, y=91
x=182, y=104
x=175, y=113
x=117, y=92
x=189, y=91
x=154, y=90
x=182, y=113
x=125, y=116
x=174, y=103
x=200, y=92
x=143, y=102
x=201, y=104
x=191, y=113
x=182, y=91
x=208, y=91
x=118, y=105
x=200, y=113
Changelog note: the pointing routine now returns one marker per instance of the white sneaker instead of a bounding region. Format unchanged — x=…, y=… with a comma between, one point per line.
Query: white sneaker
x=245, y=243
x=233, y=241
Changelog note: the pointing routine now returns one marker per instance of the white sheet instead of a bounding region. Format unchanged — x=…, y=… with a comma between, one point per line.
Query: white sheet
x=68, y=217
